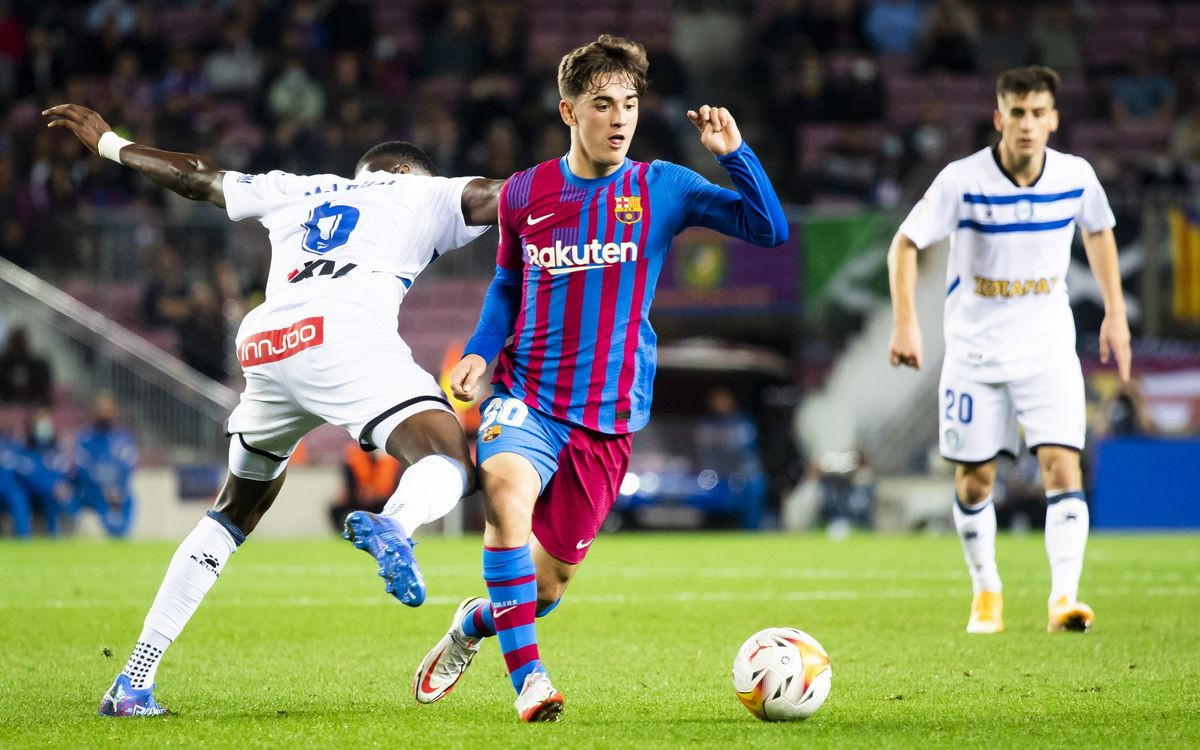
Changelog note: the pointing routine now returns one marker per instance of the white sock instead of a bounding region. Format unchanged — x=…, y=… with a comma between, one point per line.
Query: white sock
x=976, y=528
x=428, y=490
x=1067, y=522
x=143, y=662
x=192, y=572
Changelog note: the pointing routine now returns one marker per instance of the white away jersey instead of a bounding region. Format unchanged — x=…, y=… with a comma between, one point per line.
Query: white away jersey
x=362, y=239
x=1006, y=307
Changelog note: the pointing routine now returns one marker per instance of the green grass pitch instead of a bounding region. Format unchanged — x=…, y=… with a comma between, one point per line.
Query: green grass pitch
x=297, y=646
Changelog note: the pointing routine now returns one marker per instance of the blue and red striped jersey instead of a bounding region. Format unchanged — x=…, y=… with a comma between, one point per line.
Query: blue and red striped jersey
x=576, y=271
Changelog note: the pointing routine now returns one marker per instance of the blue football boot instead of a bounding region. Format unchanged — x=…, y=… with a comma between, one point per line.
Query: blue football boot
x=385, y=540
x=122, y=700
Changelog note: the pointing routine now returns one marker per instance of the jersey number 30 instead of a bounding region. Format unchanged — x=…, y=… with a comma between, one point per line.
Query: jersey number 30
x=329, y=227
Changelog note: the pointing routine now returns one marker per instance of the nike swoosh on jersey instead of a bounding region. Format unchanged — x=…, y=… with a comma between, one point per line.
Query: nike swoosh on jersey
x=584, y=545
x=539, y=219
x=501, y=612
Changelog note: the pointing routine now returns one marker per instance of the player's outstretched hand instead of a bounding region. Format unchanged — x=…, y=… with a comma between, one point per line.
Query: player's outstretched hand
x=905, y=347
x=83, y=122
x=1114, y=343
x=718, y=130
x=464, y=378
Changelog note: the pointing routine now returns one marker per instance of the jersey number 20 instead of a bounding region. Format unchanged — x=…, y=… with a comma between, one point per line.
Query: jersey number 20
x=329, y=227
x=966, y=407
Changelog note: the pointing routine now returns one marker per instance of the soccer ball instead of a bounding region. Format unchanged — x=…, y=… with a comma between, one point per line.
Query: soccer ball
x=781, y=674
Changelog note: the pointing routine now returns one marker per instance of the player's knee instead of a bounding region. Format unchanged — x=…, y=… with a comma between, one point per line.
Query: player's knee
x=974, y=489
x=1060, y=470
x=508, y=514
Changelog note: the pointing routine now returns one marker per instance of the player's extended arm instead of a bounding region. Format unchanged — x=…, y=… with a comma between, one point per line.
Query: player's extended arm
x=481, y=202
x=500, y=308
x=754, y=212
x=1101, y=249
x=190, y=175
x=905, y=346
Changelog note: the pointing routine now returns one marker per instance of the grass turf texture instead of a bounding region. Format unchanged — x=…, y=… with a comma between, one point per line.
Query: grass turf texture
x=298, y=646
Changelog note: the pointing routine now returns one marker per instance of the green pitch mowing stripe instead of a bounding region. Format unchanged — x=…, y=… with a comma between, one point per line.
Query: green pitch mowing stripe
x=298, y=646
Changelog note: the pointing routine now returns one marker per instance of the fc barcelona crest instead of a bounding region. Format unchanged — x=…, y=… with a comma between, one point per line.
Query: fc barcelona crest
x=628, y=208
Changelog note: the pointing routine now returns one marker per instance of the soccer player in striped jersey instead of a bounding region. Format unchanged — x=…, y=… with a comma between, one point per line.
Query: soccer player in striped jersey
x=1010, y=212
x=582, y=241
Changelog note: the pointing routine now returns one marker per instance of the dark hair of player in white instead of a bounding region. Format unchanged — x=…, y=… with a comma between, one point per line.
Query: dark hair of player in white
x=387, y=156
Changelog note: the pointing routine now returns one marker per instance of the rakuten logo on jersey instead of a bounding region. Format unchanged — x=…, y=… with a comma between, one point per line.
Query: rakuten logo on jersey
x=281, y=343
x=560, y=258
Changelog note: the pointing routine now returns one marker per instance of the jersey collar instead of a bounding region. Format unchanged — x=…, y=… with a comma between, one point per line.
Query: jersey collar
x=999, y=165
x=594, y=182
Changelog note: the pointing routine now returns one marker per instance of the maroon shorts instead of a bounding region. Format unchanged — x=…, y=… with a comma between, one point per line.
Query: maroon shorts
x=582, y=491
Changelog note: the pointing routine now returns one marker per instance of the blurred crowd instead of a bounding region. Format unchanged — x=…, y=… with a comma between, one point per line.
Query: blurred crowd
x=308, y=85
x=46, y=482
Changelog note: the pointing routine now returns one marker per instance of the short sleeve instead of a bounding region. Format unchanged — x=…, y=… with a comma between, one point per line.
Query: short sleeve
x=454, y=231
x=936, y=215
x=255, y=195
x=1094, y=212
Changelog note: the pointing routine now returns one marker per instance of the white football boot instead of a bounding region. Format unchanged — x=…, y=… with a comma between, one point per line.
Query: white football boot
x=442, y=667
x=538, y=701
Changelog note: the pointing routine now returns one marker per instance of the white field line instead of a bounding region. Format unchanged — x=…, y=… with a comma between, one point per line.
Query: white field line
x=677, y=597
x=654, y=573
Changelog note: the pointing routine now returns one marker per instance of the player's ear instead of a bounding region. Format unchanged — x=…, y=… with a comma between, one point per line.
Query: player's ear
x=403, y=169
x=996, y=121
x=1054, y=120
x=566, y=109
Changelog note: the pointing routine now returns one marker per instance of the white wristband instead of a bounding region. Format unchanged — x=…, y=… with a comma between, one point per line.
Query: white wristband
x=110, y=144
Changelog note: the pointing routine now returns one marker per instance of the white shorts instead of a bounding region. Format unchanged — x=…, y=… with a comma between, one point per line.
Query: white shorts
x=979, y=420
x=320, y=361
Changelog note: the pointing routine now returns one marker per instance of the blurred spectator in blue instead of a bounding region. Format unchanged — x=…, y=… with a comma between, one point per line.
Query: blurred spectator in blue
x=14, y=500
x=892, y=26
x=24, y=376
x=118, y=13
x=105, y=457
x=42, y=469
x=727, y=443
x=1145, y=91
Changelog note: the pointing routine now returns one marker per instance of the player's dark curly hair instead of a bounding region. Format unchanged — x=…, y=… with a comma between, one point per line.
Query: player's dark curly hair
x=407, y=153
x=585, y=69
x=1027, y=80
